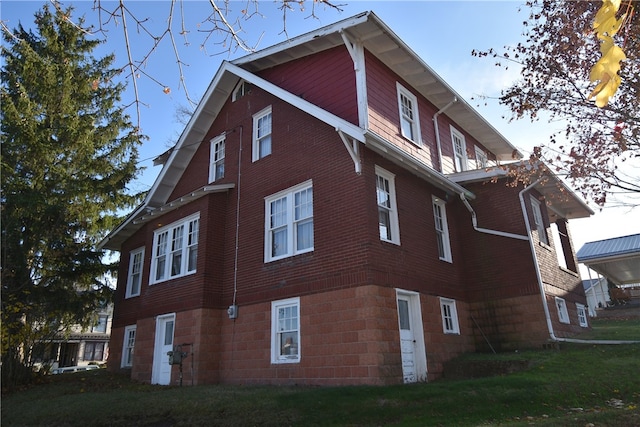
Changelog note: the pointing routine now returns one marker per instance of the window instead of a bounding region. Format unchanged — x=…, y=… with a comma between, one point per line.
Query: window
x=582, y=315
x=101, y=325
x=562, y=245
x=175, y=250
x=289, y=222
x=93, y=351
x=409, y=122
x=262, y=134
x=538, y=221
x=128, y=345
x=563, y=314
x=449, y=316
x=134, y=281
x=241, y=90
x=387, y=209
x=459, y=150
x=216, y=158
x=285, y=331
x=442, y=230
x=481, y=159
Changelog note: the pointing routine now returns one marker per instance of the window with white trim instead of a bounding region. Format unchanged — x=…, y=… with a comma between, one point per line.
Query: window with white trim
x=387, y=209
x=134, y=280
x=409, y=119
x=216, y=158
x=582, y=315
x=442, y=229
x=289, y=222
x=563, y=314
x=261, y=134
x=536, y=208
x=175, y=250
x=482, y=161
x=128, y=346
x=459, y=150
x=241, y=89
x=285, y=331
x=450, y=323
x=101, y=324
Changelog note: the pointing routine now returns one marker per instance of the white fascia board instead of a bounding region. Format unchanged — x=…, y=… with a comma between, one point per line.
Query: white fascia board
x=336, y=122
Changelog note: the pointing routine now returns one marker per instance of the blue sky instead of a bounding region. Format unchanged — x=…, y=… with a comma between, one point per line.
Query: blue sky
x=442, y=33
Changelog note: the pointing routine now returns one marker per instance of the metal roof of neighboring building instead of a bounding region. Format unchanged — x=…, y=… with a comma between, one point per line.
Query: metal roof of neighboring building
x=617, y=259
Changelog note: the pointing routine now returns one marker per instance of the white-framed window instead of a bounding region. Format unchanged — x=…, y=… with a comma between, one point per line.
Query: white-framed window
x=261, y=134
x=442, y=229
x=101, y=324
x=482, y=161
x=134, y=280
x=285, y=331
x=409, y=119
x=387, y=208
x=459, y=150
x=450, y=323
x=538, y=220
x=175, y=249
x=216, y=158
x=289, y=222
x=128, y=346
x=563, y=314
x=241, y=89
x=582, y=315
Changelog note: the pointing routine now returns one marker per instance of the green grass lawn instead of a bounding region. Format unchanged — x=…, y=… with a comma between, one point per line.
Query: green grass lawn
x=575, y=385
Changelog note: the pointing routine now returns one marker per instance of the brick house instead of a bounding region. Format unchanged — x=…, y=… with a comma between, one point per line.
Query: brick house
x=334, y=213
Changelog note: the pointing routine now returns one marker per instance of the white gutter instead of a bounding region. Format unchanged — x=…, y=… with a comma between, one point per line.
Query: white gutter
x=435, y=125
x=545, y=306
x=474, y=222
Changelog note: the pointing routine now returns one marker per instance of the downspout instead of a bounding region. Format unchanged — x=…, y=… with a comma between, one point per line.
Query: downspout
x=545, y=305
x=474, y=222
x=435, y=125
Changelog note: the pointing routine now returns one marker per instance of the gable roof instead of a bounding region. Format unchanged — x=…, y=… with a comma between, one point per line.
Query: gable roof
x=378, y=39
x=382, y=42
x=617, y=259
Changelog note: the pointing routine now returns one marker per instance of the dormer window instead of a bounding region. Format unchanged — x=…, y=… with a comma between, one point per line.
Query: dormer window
x=408, y=108
x=459, y=150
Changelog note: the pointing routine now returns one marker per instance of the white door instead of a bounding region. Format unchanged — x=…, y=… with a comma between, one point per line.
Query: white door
x=161, y=373
x=412, y=345
x=407, y=341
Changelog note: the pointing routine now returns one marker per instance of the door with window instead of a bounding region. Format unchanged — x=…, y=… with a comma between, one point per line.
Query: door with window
x=412, y=347
x=161, y=373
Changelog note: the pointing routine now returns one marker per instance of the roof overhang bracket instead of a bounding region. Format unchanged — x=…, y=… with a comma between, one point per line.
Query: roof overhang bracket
x=354, y=151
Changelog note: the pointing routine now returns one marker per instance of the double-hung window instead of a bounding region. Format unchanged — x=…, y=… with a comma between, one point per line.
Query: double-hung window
x=101, y=324
x=261, y=134
x=216, y=158
x=285, y=331
x=409, y=121
x=481, y=159
x=582, y=315
x=539, y=221
x=459, y=150
x=387, y=209
x=175, y=250
x=134, y=281
x=128, y=345
x=563, y=314
x=450, y=323
x=442, y=230
x=289, y=222
x=93, y=351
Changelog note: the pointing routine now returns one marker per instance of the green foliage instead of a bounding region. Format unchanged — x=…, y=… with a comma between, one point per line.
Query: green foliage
x=572, y=386
x=68, y=153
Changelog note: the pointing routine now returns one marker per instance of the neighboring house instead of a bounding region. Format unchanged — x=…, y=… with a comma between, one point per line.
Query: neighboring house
x=78, y=346
x=597, y=293
x=334, y=213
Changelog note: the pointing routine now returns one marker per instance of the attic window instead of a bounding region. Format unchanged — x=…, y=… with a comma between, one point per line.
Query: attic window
x=241, y=90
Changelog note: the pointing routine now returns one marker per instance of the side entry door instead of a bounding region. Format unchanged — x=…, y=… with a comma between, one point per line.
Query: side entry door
x=165, y=326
